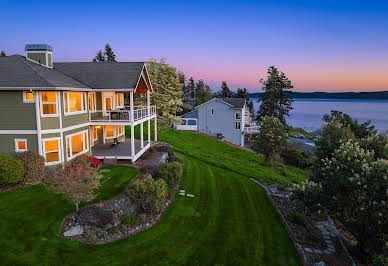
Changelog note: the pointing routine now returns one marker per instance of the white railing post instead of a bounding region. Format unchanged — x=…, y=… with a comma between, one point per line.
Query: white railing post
x=156, y=129
x=132, y=140
x=141, y=136
x=149, y=130
x=131, y=105
x=148, y=102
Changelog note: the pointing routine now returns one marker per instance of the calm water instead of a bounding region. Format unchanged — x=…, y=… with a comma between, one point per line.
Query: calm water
x=307, y=113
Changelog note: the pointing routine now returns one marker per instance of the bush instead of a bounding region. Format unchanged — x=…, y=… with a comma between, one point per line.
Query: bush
x=11, y=170
x=33, y=166
x=297, y=218
x=148, y=194
x=176, y=158
x=171, y=173
x=297, y=157
x=87, y=161
x=129, y=219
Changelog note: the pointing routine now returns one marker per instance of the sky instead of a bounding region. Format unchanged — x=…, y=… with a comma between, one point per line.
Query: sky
x=321, y=45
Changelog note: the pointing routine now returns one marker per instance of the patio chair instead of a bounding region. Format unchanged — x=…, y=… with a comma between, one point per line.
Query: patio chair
x=115, y=142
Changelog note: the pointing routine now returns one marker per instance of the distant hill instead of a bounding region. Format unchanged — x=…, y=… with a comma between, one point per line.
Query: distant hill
x=379, y=95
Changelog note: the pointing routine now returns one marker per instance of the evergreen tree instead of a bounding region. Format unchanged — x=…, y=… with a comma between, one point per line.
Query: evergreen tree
x=225, y=91
x=109, y=54
x=204, y=93
x=99, y=57
x=275, y=100
x=251, y=108
x=242, y=93
x=190, y=88
x=2, y=53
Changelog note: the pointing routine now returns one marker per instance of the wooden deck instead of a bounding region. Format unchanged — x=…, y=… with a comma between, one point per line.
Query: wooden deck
x=122, y=150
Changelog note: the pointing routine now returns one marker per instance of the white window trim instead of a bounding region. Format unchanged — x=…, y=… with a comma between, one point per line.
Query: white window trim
x=66, y=109
x=116, y=127
x=56, y=105
x=94, y=104
x=122, y=98
x=86, y=144
x=114, y=132
x=16, y=145
x=59, y=150
x=235, y=116
x=24, y=97
x=211, y=111
x=235, y=123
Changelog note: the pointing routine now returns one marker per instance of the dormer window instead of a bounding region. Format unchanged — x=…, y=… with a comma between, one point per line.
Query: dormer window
x=41, y=54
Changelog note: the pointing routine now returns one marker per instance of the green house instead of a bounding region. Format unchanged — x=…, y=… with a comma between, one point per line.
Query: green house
x=63, y=110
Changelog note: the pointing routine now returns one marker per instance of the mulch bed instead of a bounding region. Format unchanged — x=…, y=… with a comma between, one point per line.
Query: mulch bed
x=307, y=234
x=6, y=187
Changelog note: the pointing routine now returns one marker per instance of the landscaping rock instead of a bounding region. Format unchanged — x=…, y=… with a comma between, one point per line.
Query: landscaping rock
x=163, y=147
x=74, y=231
x=95, y=216
x=190, y=195
x=104, y=170
x=308, y=249
x=273, y=189
x=321, y=263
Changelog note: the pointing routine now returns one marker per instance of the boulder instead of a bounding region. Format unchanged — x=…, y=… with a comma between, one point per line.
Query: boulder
x=95, y=216
x=74, y=231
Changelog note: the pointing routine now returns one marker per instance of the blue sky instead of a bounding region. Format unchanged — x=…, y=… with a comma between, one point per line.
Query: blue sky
x=320, y=45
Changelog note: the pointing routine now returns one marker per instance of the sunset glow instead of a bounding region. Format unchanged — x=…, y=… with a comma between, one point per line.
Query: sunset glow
x=320, y=45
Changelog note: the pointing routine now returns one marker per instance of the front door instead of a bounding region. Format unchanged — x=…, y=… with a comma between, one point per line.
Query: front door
x=108, y=104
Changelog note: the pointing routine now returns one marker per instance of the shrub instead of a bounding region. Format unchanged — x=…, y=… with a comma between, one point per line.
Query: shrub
x=297, y=218
x=170, y=172
x=148, y=194
x=11, y=170
x=33, y=166
x=87, y=161
x=176, y=158
x=129, y=219
x=297, y=157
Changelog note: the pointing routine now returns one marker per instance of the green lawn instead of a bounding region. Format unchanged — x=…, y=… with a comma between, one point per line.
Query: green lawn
x=228, y=157
x=229, y=221
x=137, y=131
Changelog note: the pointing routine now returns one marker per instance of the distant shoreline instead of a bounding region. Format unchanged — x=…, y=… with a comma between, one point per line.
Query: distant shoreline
x=380, y=95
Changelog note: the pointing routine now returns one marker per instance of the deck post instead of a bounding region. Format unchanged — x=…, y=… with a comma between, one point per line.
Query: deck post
x=148, y=103
x=131, y=105
x=149, y=130
x=132, y=140
x=156, y=129
x=141, y=136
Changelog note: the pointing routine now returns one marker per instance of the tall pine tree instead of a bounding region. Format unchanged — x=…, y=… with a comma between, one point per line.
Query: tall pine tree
x=242, y=93
x=225, y=91
x=275, y=100
x=99, y=57
x=190, y=88
x=109, y=54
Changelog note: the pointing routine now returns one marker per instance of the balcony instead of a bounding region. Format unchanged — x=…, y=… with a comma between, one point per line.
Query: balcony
x=251, y=128
x=121, y=116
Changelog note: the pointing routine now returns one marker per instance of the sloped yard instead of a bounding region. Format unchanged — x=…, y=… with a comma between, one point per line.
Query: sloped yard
x=228, y=221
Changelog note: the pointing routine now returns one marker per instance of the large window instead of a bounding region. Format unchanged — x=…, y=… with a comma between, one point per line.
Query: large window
x=51, y=149
x=109, y=132
x=28, y=97
x=119, y=100
x=237, y=116
x=20, y=145
x=95, y=128
x=75, y=102
x=237, y=125
x=92, y=101
x=49, y=103
x=76, y=144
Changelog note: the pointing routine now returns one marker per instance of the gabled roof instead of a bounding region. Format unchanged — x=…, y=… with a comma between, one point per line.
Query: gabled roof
x=104, y=75
x=18, y=72
x=236, y=102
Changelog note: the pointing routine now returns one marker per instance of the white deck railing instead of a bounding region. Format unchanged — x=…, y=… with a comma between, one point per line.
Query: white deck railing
x=139, y=112
x=252, y=128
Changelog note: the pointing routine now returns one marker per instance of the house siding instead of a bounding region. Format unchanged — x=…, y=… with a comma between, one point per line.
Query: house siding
x=223, y=121
x=7, y=143
x=14, y=113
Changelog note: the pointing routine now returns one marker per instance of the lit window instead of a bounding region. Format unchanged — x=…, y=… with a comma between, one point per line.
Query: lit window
x=75, y=102
x=20, y=145
x=109, y=131
x=212, y=111
x=120, y=130
x=49, y=103
x=95, y=132
x=119, y=100
x=237, y=116
x=76, y=144
x=92, y=101
x=28, y=97
x=237, y=125
x=51, y=150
